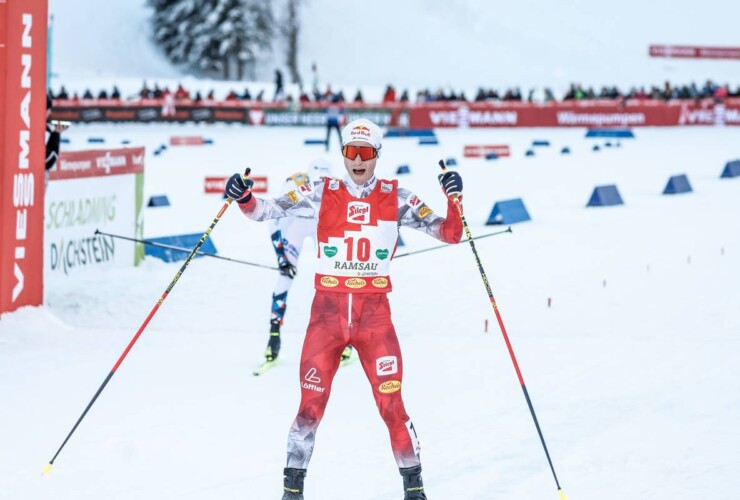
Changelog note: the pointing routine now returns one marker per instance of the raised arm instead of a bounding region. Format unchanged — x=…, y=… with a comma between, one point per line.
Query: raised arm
x=300, y=202
x=414, y=213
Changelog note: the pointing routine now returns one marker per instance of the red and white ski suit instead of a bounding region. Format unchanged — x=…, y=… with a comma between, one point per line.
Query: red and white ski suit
x=357, y=237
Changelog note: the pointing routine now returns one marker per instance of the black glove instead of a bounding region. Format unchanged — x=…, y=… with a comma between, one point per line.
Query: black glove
x=239, y=188
x=287, y=269
x=451, y=182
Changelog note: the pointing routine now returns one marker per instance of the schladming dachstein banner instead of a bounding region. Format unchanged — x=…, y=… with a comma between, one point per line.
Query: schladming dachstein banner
x=89, y=190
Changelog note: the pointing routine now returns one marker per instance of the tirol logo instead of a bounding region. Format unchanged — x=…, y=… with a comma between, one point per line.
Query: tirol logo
x=329, y=282
x=382, y=253
x=387, y=365
x=330, y=251
x=380, y=282
x=355, y=283
x=358, y=212
x=390, y=386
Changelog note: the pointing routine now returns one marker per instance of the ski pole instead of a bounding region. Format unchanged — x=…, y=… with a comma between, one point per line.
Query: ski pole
x=456, y=199
x=184, y=250
x=507, y=230
x=203, y=238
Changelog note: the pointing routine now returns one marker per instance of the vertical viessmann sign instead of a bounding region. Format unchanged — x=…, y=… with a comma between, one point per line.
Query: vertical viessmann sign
x=22, y=125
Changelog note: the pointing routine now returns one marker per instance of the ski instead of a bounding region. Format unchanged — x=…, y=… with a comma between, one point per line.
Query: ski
x=348, y=359
x=266, y=366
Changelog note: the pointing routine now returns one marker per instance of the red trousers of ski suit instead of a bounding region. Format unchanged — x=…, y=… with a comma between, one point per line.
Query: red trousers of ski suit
x=362, y=320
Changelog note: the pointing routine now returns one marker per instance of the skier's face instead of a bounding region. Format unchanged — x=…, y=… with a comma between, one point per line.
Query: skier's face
x=359, y=170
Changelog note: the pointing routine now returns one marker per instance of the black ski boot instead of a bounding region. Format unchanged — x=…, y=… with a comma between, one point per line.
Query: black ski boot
x=413, y=487
x=293, y=483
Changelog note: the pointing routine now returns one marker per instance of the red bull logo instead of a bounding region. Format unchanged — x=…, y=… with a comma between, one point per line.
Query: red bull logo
x=361, y=130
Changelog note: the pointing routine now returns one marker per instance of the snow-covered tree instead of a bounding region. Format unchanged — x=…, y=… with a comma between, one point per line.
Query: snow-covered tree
x=291, y=30
x=214, y=36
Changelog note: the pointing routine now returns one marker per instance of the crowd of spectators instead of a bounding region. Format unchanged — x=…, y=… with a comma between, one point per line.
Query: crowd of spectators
x=667, y=93
x=575, y=92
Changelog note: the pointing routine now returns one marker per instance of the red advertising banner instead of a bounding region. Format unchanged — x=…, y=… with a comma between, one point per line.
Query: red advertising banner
x=260, y=184
x=22, y=126
x=692, y=52
x=589, y=114
x=187, y=140
x=217, y=185
x=482, y=150
x=98, y=162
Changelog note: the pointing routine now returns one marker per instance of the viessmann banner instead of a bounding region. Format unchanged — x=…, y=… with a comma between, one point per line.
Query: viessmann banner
x=604, y=114
x=260, y=114
x=89, y=190
x=22, y=123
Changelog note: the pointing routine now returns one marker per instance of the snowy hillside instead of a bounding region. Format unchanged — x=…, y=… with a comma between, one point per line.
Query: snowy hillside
x=417, y=44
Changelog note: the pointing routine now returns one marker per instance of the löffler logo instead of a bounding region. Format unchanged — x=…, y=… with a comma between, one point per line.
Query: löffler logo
x=311, y=379
x=311, y=376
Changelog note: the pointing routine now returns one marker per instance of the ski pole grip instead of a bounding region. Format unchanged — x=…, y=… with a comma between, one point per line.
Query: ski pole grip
x=245, y=175
x=455, y=198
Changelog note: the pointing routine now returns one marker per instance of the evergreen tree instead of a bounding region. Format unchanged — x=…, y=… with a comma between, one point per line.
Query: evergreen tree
x=291, y=31
x=213, y=35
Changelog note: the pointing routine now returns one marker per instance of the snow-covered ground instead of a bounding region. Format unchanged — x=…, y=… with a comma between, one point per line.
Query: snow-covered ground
x=632, y=370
